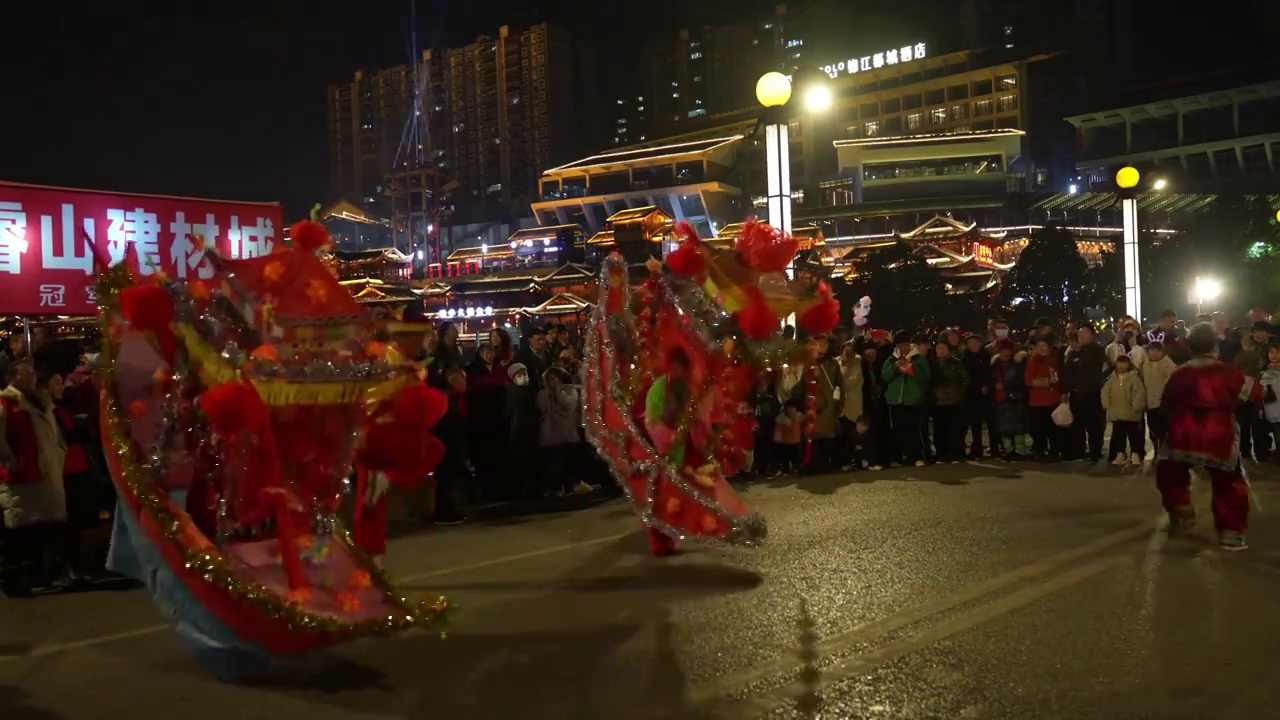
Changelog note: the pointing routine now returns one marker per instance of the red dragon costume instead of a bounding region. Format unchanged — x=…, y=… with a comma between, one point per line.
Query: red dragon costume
x=1200, y=401
x=669, y=365
x=232, y=412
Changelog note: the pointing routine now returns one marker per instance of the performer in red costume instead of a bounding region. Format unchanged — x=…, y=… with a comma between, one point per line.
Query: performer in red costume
x=398, y=451
x=1200, y=402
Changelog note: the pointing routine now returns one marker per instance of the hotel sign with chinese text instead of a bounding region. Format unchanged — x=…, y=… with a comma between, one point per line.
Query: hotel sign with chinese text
x=46, y=263
x=892, y=56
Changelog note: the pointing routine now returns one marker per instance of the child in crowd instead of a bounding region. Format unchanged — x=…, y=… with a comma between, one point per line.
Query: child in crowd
x=1155, y=375
x=1124, y=398
x=787, y=432
x=767, y=407
x=862, y=446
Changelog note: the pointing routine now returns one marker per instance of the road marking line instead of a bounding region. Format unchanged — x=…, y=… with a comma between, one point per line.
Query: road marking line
x=989, y=466
x=153, y=629
x=728, y=684
x=762, y=704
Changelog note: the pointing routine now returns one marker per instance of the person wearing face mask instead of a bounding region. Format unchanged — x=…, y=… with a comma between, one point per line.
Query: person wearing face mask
x=999, y=331
x=521, y=415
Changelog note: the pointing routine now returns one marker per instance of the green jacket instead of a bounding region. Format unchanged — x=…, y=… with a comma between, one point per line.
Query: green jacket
x=903, y=389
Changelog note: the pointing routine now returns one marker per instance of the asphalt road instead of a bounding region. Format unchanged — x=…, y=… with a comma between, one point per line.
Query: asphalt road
x=966, y=591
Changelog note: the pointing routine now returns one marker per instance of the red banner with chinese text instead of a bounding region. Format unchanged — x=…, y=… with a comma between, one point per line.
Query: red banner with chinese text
x=46, y=263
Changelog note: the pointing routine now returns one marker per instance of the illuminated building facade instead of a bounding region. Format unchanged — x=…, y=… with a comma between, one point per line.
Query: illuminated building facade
x=1213, y=141
x=688, y=179
x=366, y=122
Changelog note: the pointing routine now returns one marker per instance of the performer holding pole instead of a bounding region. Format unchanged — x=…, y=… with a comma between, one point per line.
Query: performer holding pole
x=1200, y=401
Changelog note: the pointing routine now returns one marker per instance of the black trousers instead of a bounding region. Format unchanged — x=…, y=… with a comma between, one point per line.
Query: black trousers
x=1044, y=434
x=948, y=432
x=1088, y=426
x=762, y=460
x=1130, y=431
x=977, y=413
x=1255, y=432
x=33, y=556
x=906, y=423
x=1158, y=426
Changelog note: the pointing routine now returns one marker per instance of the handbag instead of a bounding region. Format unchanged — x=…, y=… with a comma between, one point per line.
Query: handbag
x=1062, y=416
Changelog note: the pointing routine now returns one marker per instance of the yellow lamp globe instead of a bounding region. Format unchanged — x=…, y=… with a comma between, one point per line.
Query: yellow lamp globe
x=1127, y=178
x=773, y=89
x=1278, y=216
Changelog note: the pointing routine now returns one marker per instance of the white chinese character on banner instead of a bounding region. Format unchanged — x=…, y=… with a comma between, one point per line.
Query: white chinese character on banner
x=905, y=54
x=140, y=228
x=865, y=63
x=878, y=60
x=91, y=294
x=251, y=241
x=919, y=50
x=13, y=234
x=185, y=254
x=74, y=253
x=53, y=296
x=891, y=57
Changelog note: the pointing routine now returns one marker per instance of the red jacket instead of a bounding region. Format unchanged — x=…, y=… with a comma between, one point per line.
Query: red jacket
x=20, y=436
x=77, y=460
x=1042, y=381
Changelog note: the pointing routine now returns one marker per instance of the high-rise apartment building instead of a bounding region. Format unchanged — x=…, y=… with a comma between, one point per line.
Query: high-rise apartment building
x=366, y=124
x=507, y=108
x=701, y=71
x=498, y=112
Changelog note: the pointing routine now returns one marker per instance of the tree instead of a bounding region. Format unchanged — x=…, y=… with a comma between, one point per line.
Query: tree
x=905, y=292
x=1049, y=279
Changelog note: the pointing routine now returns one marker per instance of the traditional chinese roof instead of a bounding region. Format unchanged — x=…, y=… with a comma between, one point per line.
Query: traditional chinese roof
x=362, y=257
x=652, y=220
x=809, y=235
x=941, y=227
x=547, y=232
x=559, y=304
x=345, y=210
x=568, y=271
x=369, y=292
x=604, y=237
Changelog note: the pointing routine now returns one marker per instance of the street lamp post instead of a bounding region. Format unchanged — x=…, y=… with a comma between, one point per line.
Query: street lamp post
x=1127, y=180
x=773, y=90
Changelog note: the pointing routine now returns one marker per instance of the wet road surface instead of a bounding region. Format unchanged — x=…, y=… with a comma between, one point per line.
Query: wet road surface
x=962, y=591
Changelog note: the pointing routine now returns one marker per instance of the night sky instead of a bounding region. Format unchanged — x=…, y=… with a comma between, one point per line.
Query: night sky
x=231, y=104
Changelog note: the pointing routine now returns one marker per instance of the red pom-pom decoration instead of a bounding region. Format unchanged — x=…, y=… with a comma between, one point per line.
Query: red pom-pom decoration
x=309, y=235
x=419, y=407
x=822, y=318
x=233, y=408
x=687, y=260
x=149, y=308
x=764, y=248
x=758, y=321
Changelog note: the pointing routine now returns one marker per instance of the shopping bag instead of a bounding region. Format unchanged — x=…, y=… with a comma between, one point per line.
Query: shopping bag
x=1062, y=415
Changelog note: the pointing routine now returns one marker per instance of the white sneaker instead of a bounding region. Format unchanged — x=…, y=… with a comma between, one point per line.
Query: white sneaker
x=1135, y=460
x=582, y=487
x=1119, y=460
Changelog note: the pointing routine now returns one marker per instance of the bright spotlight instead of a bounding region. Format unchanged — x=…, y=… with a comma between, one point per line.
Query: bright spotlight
x=1160, y=184
x=1208, y=289
x=1073, y=188
x=817, y=98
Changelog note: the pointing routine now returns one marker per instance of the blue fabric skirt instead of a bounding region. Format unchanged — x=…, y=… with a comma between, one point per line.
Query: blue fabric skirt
x=214, y=644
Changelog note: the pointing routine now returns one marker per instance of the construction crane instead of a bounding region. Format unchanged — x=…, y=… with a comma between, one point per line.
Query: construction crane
x=412, y=183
